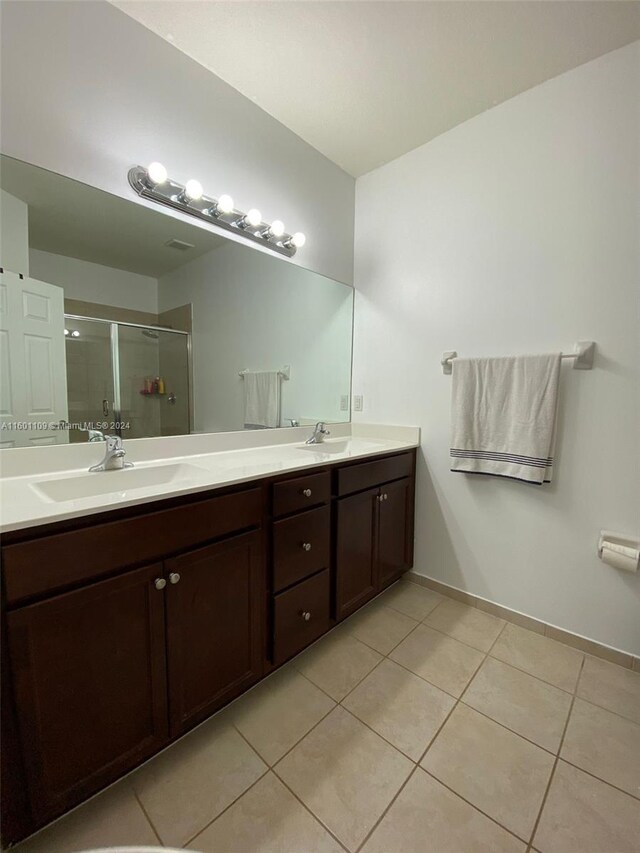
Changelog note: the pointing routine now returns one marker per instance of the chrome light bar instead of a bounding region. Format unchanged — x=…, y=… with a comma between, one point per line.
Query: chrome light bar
x=190, y=199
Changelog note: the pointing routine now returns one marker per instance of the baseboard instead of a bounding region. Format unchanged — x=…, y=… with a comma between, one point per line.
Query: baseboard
x=584, y=644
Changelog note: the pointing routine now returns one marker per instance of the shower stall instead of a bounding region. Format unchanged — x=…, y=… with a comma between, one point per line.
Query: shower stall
x=126, y=378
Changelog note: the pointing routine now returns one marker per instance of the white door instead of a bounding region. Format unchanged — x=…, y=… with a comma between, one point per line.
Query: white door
x=33, y=374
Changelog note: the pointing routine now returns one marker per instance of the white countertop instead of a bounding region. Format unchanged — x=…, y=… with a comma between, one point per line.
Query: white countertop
x=39, y=497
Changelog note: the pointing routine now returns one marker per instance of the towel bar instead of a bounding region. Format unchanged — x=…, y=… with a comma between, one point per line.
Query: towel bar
x=583, y=354
x=284, y=372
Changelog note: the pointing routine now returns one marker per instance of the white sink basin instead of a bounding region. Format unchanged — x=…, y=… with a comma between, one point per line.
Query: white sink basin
x=345, y=445
x=121, y=482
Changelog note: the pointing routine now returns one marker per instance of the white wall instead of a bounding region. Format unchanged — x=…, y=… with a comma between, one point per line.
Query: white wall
x=14, y=234
x=257, y=313
x=517, y=232
x=88, y=92
x=96, y=283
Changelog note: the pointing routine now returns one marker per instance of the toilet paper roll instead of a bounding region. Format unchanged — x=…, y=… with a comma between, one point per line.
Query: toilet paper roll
x=619, y=556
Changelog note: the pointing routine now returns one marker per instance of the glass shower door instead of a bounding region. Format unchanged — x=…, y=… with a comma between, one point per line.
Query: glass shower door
x=90, y=376
x=153, y=375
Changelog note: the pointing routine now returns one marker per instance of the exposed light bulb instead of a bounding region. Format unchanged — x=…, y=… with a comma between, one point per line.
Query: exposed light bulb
x=251, y=219
x=66, y=332
x=225, y=204
x=275, y=230
x=75, y=334
x=156, y=173
x=296, y=242
x=193, y=190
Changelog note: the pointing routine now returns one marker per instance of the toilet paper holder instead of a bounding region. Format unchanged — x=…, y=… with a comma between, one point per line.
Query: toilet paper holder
x=625, y=550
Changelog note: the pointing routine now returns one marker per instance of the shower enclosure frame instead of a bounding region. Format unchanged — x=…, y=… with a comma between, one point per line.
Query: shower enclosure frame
x=115, y=361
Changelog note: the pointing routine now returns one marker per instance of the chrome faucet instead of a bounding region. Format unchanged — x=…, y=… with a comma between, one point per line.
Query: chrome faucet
x=319, y=432
x=113, y=455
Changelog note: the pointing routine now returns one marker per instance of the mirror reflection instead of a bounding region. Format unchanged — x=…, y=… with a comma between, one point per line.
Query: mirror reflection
x=118, y=318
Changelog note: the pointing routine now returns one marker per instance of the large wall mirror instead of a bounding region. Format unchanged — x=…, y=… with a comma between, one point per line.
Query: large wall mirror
x=114, y=316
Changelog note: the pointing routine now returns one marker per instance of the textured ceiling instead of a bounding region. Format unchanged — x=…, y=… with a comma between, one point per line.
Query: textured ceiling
x=364, y=82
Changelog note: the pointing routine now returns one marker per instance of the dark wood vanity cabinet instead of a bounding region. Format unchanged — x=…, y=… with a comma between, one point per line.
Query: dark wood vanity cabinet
x=104, y=671
x=213, y=605
x=374, y=529
x=123, y=631
x=356, y=528
x=395, y=531
x=89, y=682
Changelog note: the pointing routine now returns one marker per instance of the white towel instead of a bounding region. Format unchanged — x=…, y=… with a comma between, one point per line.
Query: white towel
x=261, y=400
x=503, y=414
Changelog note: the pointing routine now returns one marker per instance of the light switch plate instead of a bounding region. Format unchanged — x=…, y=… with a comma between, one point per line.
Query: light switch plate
x=344, y=402
x=357, y=402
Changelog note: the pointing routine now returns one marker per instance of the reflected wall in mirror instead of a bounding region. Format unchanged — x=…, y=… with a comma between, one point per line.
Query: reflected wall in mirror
x=121, y=318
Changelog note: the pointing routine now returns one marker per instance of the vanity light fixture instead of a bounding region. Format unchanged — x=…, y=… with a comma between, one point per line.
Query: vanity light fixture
x=153, y=183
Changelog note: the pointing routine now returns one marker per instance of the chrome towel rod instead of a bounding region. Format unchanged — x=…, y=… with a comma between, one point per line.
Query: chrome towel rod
x=583, y=354
x=284, y=372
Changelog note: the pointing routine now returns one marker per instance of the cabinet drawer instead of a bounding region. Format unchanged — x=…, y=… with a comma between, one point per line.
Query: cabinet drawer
x=292, y=631
x=51, y=562
x=301, y=546
x=356, y=478
x=301, y=493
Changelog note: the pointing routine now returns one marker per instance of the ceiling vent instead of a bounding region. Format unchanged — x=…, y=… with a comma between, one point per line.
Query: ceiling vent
x=181, y=245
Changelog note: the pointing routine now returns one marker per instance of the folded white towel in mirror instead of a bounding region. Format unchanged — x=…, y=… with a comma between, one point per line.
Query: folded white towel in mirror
x=261, y=399
x=503, y=416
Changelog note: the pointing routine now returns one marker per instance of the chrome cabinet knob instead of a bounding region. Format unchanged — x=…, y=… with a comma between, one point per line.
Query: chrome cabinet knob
x=385, y=497
x=306, y=546
x=379, y=498
x=159, y=583
x=306, y=493
x=305, y=615
x=174, y=577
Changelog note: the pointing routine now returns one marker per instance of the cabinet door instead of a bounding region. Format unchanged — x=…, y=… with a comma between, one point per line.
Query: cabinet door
x=215, y=605
x=89, y=675
x=355, y=551
x=393, y=537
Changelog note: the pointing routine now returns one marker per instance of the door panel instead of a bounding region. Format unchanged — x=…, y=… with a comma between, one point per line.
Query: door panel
x=34, y=385
x=89, y=676
x=214, y=626
x=355, y=551
x=393, y=556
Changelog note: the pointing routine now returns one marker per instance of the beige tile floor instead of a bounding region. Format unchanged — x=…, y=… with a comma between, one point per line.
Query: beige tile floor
x=420, y=724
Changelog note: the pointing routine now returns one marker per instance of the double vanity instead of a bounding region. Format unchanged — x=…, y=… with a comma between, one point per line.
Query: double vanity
x=138, y=602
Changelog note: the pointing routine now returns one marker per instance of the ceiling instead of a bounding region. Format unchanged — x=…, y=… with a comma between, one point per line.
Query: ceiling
x=364, y=82
x=69, y=218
